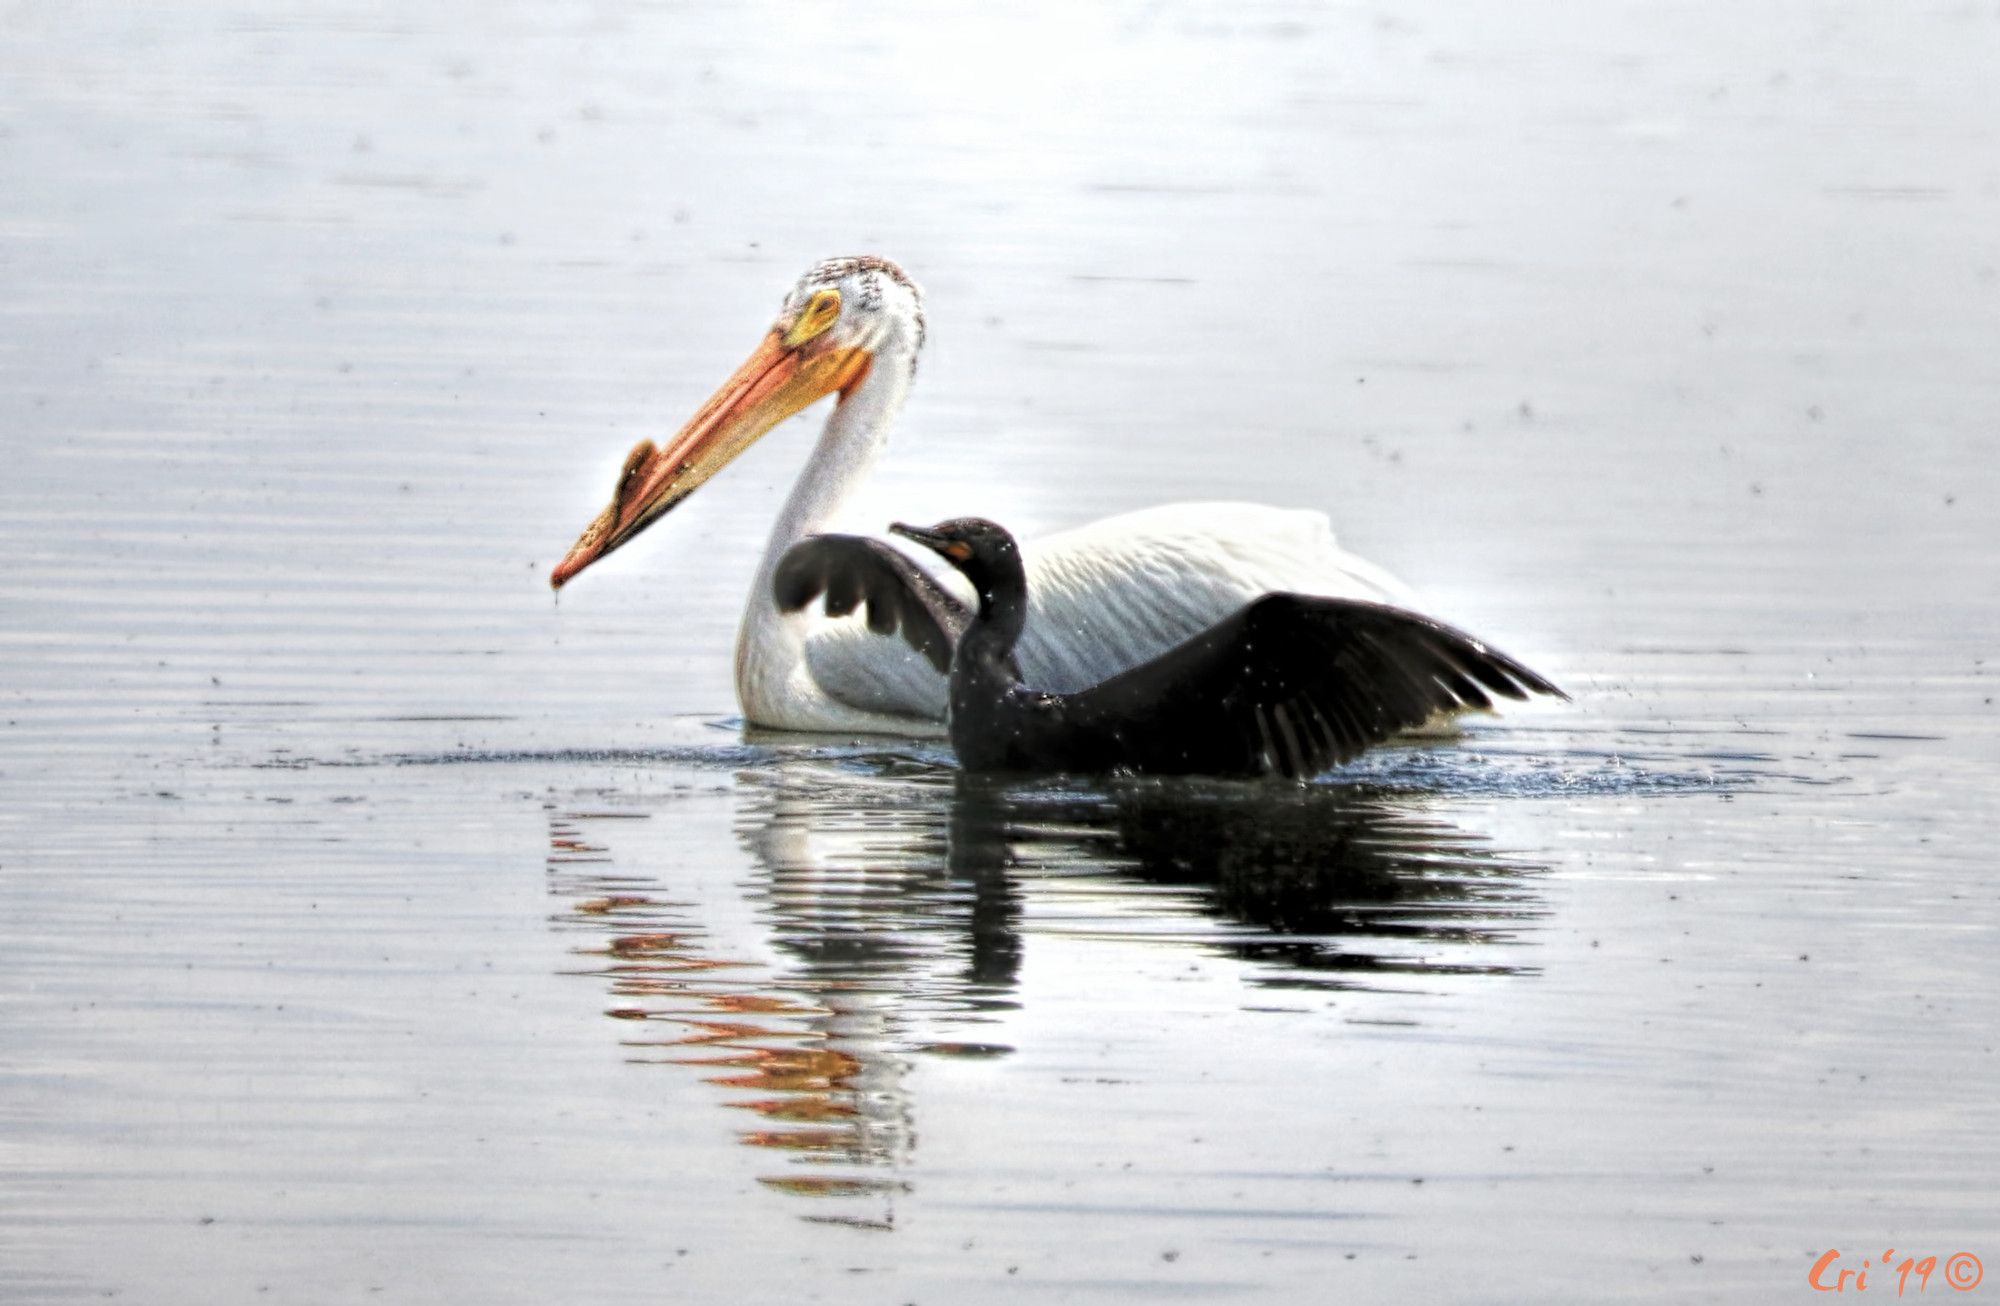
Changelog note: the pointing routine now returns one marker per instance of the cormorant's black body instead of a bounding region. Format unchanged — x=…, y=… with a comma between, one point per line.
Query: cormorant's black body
x=1291, y=684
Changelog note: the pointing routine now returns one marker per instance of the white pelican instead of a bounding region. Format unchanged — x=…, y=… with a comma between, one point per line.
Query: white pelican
x=1104, y=596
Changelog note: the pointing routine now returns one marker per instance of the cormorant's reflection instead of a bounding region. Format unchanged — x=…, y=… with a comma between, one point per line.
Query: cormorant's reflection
x=893, y=898
x=1333, y=882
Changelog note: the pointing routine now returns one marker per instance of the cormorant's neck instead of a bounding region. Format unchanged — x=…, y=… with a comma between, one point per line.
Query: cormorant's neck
x=1002, y=585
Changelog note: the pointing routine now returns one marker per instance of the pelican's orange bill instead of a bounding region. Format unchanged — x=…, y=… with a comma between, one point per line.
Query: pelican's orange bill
x=777, y=380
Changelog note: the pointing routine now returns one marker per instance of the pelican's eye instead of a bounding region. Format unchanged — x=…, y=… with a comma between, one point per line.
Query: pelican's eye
x=818, y=314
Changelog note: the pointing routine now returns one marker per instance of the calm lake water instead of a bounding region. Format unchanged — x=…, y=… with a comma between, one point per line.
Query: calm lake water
x=373, y=928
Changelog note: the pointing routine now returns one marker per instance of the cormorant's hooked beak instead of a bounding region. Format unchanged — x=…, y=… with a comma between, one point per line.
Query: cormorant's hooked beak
x=937, y=542
x=781, y=376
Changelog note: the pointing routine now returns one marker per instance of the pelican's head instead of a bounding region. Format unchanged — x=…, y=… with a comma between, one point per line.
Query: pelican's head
x=841, y=319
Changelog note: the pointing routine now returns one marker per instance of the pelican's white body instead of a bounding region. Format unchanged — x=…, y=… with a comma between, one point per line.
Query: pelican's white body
x=1102, y=597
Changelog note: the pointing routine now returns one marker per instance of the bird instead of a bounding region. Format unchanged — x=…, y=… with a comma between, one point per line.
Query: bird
x=1103, y=596
x=1288, y=685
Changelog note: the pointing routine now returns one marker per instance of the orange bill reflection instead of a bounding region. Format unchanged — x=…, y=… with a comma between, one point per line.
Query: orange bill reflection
x=799, y=1062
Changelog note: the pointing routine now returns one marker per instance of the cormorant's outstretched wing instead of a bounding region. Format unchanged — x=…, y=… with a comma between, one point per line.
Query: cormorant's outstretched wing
x=1292, y=684
x=858, y=570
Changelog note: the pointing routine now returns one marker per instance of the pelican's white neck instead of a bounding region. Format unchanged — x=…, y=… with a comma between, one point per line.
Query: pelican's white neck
x=855, y=433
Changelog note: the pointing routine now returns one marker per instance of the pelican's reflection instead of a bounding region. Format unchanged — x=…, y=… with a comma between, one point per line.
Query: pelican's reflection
x=888, y=924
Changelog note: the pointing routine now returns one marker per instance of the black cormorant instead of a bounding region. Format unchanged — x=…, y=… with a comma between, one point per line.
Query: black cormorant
x=1289, y=685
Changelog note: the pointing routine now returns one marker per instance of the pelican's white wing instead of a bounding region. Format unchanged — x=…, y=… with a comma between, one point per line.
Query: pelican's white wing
x=1107, y=596
x=1104, y=597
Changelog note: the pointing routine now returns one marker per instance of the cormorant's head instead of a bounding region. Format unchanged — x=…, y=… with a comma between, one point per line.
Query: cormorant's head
x=983, y=552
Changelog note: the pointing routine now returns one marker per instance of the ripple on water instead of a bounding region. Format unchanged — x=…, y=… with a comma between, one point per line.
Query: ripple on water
x=1548, y=766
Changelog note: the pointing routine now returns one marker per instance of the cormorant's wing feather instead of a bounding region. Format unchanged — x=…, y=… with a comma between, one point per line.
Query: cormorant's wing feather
x=1293, y=684
x=859, y=571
